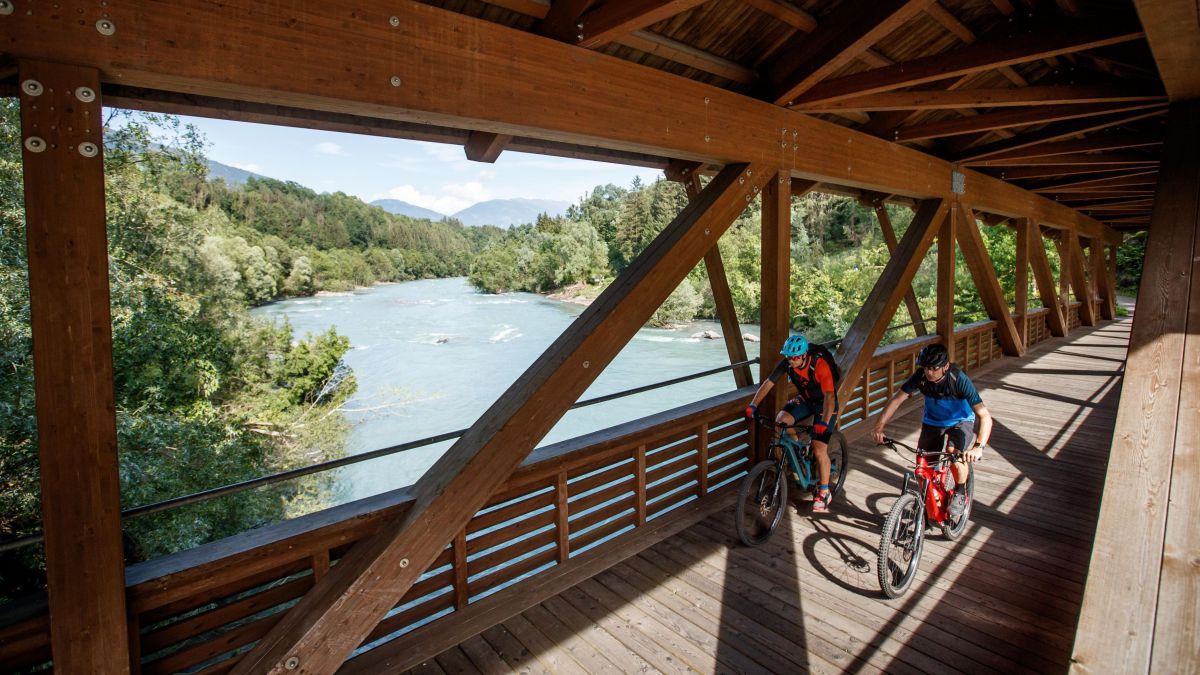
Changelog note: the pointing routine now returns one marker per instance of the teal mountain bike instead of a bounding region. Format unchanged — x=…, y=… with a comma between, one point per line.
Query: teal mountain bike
x=763, y=494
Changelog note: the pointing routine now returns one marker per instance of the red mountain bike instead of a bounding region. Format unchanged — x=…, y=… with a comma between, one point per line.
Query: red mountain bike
x=924, y=497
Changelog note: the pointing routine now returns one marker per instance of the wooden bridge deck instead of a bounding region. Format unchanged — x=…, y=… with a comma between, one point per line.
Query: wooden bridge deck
x=1004, y=599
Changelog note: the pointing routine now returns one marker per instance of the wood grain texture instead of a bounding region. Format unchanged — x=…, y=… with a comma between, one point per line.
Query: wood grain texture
x=1080, y=282
x=947, y=238
x=910, y=297
x=1021, y=301
x=1171, y=29
x=341, y=57
x=1121, y=616
x=73, y=369
x=775, y=315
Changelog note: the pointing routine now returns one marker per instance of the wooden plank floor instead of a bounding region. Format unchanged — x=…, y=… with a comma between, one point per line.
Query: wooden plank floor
x=1003, y=599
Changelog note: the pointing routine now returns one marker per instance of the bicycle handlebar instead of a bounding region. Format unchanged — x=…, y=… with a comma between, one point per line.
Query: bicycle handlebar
x=767, y=421
x=892, y=443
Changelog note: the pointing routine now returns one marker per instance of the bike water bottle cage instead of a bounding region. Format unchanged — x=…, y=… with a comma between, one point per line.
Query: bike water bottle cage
x=796, y=345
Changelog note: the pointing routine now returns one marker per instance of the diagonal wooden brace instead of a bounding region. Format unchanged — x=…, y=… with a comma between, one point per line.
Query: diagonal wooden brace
x=321, y=631
x=1044, y=276
x=859, y=344
x=980, y=265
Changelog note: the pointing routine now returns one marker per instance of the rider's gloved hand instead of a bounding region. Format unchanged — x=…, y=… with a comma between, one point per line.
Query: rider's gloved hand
x=820, y=427
x=751, y=411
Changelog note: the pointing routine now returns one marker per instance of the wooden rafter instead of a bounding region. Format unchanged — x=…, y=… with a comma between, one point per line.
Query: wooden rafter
x=1146, y=177
x=842, y=36
x=509, y=82
x=613, y=19
x=483, y=146
x=1061, y=170
x=333, y=618
x=1094, y=143
x=859, y=344
x=1057, y=132
x=789, y=14
x=927, y=99
x=970, y=242
x=1073, y=198
x=1171, y=28
x=1017, y=117
x=1047, y=40
x=669, y=49
x=562, y=21
x=1127, y=159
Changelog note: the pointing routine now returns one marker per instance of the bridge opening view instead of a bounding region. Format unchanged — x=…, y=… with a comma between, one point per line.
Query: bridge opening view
x=599, y=336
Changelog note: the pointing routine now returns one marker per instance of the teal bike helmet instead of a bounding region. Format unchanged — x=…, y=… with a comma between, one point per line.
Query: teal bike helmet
x=796, y=345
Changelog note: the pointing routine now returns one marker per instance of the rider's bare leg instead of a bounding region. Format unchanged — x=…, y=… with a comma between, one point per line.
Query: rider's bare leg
x=821, y=452
x=960, y=470
x=785, y=419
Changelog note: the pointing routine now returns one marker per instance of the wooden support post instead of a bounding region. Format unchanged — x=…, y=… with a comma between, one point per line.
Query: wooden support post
x=1140, y=604
x=889, y=236
x=702, y=458
x=485, y=147
x=1022, y=279
x=775, y=306
x=1064, y=279
x=1100, y=279
x=562, y=512
x=641, y=485
x=1110, y=278
x=859, y=344
x=945, y=280
x=731, y=330
x=320, y=631
x=61, y=122
x=980, y=265
x=1043, y=276
x=462, y=592
x=1079, y=280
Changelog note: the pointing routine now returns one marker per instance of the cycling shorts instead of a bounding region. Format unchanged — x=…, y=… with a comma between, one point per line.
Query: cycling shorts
x=961, y=436
x=801, y=411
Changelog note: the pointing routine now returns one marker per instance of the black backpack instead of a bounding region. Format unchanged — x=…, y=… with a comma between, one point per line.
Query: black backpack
x=822, y=352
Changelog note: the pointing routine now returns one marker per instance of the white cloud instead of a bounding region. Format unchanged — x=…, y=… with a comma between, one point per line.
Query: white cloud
x=248, y=167
x=455, y=198
x=487, y=174
x=328, y=148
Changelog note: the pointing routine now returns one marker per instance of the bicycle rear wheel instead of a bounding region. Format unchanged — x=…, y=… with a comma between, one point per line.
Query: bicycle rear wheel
x=760, y=505
x=952, y=530
x=900, y=546
x=839, y=463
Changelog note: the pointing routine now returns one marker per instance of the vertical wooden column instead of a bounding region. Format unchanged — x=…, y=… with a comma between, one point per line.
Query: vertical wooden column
x=1111, y=277
x=945, y=280
x=731, y=330
x=775, y=307
x=73, y=371
x=1064, y=276
x=1100, y=278
x=1022, y=279
x=1140, y=605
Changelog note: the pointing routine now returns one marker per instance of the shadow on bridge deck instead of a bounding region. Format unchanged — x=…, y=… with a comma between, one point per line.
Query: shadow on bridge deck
x=1005, y=598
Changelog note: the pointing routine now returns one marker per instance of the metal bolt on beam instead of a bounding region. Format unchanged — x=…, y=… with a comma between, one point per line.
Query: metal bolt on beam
x=88, y=149
x=6, y=8
x=106, y=27
x=35, y=144
x=396, y=81
x=32, y=87
x=395, y=21
x=85, y=94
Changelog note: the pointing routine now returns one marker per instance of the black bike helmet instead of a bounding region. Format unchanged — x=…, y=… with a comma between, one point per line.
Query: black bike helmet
x=933, y=356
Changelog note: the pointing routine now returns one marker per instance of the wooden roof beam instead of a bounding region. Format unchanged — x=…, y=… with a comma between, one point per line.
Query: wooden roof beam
x=1109, y=141
x=787, y=13
x=509, y=82
x=1043, y=41
x=1059, y=171
x=613, y=19
x=989, y=98
x=1017, y=117
x=1148, y=177
x=1059, y=131
x=842, y=36
x=562, y=21
x=1172, y=27
x=672, y=50
x=483, y=146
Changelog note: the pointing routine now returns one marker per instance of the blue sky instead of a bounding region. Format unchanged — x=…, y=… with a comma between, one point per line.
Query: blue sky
x=433, y=175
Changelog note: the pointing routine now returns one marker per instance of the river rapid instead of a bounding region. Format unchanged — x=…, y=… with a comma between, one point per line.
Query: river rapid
x=431, y=356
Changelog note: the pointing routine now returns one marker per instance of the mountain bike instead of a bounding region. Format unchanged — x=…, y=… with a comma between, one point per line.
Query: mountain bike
x=924, y=497
x=763, y=493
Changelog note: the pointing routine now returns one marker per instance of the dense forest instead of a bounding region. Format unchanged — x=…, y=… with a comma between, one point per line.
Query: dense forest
x=207, y=395
x=838, y=251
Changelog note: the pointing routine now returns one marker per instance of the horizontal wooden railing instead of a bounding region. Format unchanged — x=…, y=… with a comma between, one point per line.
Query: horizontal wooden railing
x=199, y=610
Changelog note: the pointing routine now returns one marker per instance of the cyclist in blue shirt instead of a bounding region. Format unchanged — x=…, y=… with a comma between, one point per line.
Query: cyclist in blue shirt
x=952, y=406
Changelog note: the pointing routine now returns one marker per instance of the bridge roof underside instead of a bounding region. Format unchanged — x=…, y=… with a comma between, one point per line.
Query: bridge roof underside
x=1005, y=598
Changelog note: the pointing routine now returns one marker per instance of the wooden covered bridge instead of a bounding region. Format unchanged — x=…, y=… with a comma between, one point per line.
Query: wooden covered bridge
x=1071, y=122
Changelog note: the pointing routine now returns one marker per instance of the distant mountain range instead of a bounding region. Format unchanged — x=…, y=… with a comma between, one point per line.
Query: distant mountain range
x=499, y=212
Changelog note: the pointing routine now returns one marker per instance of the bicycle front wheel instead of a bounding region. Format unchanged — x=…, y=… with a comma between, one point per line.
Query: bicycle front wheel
x=900, y=546
x=760, y=504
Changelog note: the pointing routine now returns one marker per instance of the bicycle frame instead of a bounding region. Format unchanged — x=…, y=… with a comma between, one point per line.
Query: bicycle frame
x=930, y=483
x=797, y=454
